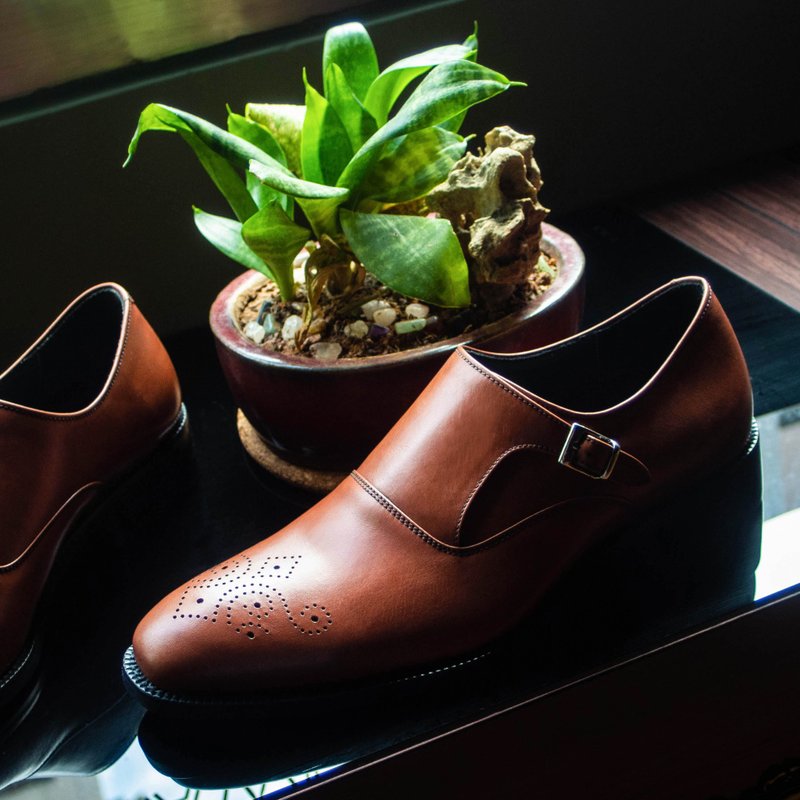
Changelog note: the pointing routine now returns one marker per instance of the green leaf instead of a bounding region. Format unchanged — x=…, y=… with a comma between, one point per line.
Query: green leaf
x=319, y=209
x=263, y=194
x=226, y=235
x=410, y=166
x=325, y=148
x=225, y=177
x=259, y=136
x=417, y=256
x=357, y=121
x=350, y=47
x=256, y=134
x=445, y=92
x=285, y=122
x=389, y=85
x=235, y=150
x=277, y=240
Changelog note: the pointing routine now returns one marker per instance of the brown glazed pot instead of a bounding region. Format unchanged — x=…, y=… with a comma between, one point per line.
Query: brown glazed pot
x=329, y=415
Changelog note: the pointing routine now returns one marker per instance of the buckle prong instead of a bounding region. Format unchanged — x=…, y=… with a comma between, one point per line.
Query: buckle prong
x=577, y=438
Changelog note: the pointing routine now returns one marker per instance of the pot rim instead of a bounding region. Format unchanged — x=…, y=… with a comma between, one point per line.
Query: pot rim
x=555, y=241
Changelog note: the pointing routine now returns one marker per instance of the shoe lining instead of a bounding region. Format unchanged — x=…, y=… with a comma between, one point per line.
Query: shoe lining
x=67, y=370
x=606, y=366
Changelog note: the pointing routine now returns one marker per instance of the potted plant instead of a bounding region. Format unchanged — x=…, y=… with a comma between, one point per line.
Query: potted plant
x=375, y=245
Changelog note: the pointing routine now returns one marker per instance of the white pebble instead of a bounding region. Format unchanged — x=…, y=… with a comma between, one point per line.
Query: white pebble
x=326, y=351
x=255, y=332
x=417, y=310
x=291, y=327
x=384, y=317
x=300, y=259
x=371, y=306
x=357, y=330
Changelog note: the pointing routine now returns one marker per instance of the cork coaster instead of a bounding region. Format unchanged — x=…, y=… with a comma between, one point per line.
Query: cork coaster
x=312, y=480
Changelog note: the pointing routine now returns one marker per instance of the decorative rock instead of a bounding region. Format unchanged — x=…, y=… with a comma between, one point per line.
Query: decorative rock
x=317, y=326
x=377, y=331
x=269, y=324
x=357, y=330
x=384, y=317
x=300, y=259
x=255, y=332
x=326, y=351
x=371, y=306
x=417, y=310
x=291, y=327
x=410, y=325
x=262, y=312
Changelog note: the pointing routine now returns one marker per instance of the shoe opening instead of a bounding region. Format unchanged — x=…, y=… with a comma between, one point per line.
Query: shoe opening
x=67, y=370
x=607, y=365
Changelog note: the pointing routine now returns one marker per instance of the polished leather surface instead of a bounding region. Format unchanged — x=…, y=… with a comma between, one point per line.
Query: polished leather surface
x=55, y=459
x=457, y=524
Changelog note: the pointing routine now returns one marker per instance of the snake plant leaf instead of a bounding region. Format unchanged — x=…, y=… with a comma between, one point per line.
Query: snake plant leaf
x=263, y=194
x=389, y=85
x=357, y=121
x=349, y=47
x=225, y=177
x=447, y=90
x=320, y=206
x=325, y=148
x=256, y=134
x=226, y=235
x=273, y=236
x=454, y=123
x=227, y=180
x=261, y=138
x=285, y=122
x=236, y=150
x=410, y=166
x=417, y=256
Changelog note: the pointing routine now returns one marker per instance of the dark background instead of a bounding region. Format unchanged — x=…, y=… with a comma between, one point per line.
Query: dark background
x=622, y=95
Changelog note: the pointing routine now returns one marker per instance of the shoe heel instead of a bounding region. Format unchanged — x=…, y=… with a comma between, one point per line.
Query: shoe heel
x=690, y=560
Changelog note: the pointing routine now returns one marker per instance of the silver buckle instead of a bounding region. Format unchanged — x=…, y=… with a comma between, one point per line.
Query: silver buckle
x=570, y=452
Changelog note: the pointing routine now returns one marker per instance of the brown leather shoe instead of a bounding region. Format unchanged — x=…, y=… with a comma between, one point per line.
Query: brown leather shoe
x=89, y=401
x=502, y=474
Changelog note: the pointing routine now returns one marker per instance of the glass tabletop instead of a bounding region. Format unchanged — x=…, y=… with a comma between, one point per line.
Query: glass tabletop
x=77, y=720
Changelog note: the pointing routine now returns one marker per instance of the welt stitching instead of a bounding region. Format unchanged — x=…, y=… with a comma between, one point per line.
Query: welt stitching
x=488, y=472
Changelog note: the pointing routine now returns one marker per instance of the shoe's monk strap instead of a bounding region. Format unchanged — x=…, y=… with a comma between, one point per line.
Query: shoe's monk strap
x=589, y=452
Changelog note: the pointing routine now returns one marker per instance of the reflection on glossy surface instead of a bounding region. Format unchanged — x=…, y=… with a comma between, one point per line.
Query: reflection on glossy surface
x=73, y=717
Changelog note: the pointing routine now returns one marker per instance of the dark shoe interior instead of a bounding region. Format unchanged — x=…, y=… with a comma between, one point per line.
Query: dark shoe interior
x=605, y=367
x=68, y=369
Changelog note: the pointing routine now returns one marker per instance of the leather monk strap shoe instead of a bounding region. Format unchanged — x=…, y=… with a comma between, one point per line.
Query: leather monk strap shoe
x=88, y=403
x=503, y=474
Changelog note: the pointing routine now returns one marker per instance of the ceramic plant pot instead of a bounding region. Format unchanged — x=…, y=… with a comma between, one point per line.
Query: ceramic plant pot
x=311, y=422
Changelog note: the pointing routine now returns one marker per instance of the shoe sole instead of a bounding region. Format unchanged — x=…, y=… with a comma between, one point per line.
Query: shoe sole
x=644, y=584
x=19, y=675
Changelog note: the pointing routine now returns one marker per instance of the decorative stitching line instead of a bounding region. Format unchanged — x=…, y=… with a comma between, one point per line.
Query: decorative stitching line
x=508, y=390
x=609, y=324
x=463, y=552
x=486, y=475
